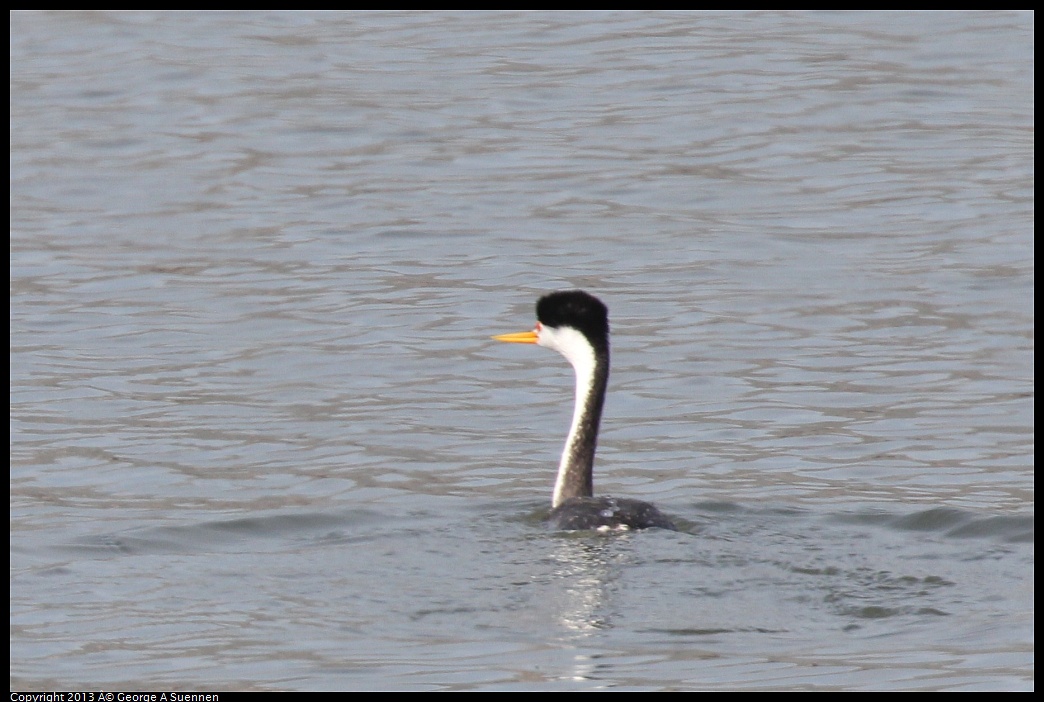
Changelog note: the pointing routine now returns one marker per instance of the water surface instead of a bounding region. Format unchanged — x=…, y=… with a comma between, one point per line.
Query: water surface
x=260, y=438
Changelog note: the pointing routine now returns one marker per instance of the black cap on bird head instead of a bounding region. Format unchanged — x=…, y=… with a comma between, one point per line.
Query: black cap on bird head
x=577, y=309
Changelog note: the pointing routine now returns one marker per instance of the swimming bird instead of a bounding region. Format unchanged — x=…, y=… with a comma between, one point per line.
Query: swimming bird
x=576, y=324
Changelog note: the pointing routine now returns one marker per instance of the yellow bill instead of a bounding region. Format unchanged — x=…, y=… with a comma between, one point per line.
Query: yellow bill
x=526, y=337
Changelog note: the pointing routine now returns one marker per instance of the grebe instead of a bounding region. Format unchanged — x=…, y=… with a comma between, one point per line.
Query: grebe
x=576, y=324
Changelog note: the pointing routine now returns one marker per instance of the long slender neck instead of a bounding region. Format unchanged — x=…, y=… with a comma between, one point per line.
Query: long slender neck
x=574, y=471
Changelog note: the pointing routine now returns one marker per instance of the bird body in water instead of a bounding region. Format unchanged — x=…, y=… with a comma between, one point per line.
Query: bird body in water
x=576, y=324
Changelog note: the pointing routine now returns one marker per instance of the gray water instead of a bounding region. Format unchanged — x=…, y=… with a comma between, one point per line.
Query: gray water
x=260, y=438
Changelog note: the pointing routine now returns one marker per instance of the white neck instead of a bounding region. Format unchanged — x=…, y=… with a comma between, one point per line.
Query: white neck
x=574, y=470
